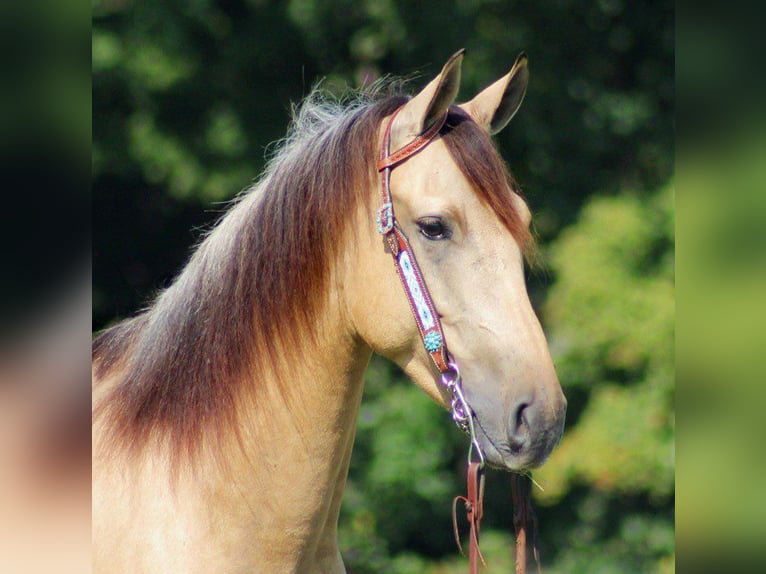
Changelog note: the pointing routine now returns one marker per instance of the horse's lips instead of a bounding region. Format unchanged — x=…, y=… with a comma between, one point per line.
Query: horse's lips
x=501, y=455
x=493, y=454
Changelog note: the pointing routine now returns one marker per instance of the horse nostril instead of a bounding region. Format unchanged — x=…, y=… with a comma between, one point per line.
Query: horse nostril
x=519, y=423
x=534, y=429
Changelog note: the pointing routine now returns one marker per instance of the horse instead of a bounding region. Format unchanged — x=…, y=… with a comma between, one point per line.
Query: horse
x=224, y=413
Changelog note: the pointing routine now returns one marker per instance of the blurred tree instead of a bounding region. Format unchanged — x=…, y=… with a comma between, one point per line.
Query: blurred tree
x=187, y=96
x=611, y=326
x=608, y=498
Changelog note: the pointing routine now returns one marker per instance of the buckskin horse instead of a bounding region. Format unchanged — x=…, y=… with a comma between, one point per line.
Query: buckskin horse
x=224, y=414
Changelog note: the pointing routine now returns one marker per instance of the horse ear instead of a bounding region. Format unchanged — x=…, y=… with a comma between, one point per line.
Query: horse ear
x=494, y=106
x=429, y=104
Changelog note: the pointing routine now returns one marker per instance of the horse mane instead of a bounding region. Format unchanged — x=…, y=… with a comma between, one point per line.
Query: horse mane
x=258, y=281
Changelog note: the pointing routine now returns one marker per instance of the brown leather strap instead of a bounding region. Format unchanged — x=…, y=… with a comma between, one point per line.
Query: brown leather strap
x=523, y=518
x=474, y=506
x=432, y=334
x=421, y=141
x=430, y=326
x=438, y=353
x=407, y=267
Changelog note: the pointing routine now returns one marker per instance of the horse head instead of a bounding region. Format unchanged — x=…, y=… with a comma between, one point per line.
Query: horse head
x=468, y=227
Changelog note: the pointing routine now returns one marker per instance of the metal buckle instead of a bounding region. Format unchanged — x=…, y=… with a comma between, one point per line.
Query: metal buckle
x=461, y=411
x=385, y=218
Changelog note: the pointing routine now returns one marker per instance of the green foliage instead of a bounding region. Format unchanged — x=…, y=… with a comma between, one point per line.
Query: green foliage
x=611, y=323
x=607, y=503
x=721, y=370
x=187, y=97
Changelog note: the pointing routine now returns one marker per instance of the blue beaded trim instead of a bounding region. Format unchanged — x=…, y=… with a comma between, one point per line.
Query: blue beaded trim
x=432, y=340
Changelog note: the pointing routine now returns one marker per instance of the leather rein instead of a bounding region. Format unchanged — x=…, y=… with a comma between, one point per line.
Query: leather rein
x=432, y=334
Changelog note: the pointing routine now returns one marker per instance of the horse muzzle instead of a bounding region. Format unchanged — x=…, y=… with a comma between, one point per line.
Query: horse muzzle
x=526, y=438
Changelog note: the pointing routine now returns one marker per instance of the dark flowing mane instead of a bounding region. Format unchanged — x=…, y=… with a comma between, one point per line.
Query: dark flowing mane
x=259, y=280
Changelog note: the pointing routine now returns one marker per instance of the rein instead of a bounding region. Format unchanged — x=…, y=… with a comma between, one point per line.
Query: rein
x=432, y=334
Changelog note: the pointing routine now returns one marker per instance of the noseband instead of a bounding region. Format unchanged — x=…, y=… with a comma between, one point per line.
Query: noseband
x=421, y=303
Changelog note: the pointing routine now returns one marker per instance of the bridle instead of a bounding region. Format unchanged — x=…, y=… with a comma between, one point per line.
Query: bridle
x=421, y=303
x=432, y=335
x=430, y=327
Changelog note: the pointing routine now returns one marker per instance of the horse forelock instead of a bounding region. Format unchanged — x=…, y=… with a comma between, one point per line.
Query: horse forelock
x=257, y=283
x=474, y=152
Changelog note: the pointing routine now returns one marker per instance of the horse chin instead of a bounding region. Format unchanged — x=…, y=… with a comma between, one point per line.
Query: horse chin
x=501, y=455
x=510, y=462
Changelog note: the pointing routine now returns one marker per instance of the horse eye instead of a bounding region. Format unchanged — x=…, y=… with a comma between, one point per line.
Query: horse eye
x=433, y=228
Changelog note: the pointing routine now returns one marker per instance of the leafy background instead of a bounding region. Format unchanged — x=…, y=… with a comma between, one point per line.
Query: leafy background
x=188, y=95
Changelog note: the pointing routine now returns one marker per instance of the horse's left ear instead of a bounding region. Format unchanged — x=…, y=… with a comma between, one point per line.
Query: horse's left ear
x=494, y=106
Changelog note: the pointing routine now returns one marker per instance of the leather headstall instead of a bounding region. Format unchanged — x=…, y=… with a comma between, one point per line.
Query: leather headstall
x=428, y=322
x=432, y=334
x=418, y=296
x=407, y=266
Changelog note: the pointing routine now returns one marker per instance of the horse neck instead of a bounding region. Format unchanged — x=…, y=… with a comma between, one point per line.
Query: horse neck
x=285, y=481
x=265, y=500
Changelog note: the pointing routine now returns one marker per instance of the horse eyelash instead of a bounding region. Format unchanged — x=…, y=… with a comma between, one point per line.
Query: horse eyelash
x=424, y=222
